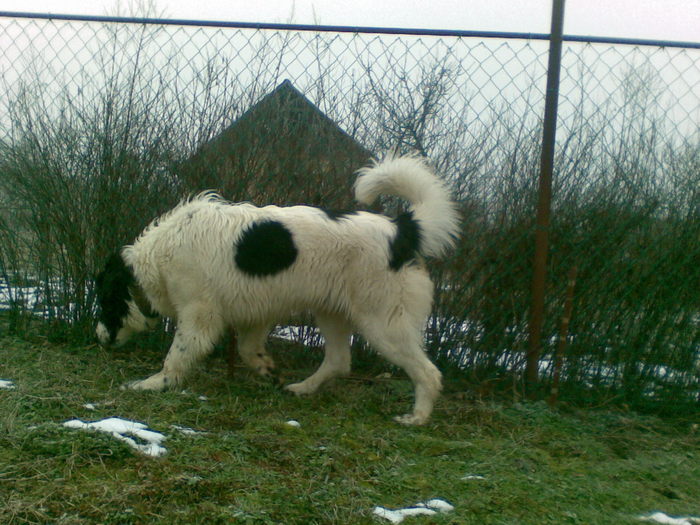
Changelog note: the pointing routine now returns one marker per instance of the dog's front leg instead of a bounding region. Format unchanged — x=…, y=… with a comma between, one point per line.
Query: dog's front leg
x=185, y=350
x=193, y=341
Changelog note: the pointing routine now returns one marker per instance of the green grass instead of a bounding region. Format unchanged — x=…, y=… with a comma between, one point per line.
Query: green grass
x=540, y=465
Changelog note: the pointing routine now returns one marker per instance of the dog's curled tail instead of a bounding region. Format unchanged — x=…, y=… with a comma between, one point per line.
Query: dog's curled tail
x=431, y=206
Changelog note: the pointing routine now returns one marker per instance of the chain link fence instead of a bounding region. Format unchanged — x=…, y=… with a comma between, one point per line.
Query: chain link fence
x=106, y=124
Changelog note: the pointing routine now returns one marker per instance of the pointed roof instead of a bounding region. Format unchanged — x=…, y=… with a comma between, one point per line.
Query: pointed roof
x=283, y=150
x=289, y=111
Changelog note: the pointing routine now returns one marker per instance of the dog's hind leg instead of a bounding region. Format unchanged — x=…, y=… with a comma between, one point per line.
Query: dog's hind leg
x=199, y=327
x=399, y=340
x=336, y=362
x=251, y=348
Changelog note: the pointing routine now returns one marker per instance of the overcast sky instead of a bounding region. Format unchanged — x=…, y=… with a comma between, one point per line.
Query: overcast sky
x=652, y=19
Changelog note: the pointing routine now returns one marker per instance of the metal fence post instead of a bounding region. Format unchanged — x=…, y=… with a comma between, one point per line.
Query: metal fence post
x=544, y=196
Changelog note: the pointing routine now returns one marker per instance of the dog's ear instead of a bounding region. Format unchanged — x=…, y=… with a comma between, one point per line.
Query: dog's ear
x=114, y=270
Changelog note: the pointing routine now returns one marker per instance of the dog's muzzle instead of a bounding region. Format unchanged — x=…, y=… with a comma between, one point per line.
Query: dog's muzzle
x=103, y=336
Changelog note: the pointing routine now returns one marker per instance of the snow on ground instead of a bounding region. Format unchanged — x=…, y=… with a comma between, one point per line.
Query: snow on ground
x=28, y=295
x=28, y=298
x=476, y=477
x=428, y=508
x=6, y=385
x=126, y=430
x=187, y=430
x=296, y=333
x=660, y=517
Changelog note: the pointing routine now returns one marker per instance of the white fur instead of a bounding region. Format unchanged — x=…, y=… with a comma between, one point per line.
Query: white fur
x=184, y=263
x=136, y=322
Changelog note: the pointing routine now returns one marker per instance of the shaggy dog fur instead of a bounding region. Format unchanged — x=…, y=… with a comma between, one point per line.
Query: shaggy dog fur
x=210, y=264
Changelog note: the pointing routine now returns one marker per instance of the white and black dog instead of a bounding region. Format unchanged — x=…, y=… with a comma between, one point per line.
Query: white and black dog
x=210, y=264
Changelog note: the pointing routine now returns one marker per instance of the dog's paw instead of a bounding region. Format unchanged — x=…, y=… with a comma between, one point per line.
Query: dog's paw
x=410, y=420
x=300, y=389
x=263, y=364
x=155, y=383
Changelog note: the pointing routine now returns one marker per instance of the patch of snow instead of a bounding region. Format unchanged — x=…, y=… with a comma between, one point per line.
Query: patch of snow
x=7, y=385
x=428, y=508
x=33, y=299
x=660, y=517
x=122, y=429
x=299, y=333
x=28, y=296
x=293, y=423
x=397, y=516
x=201, y=398
x=472, y=477
x=438, y=504
x=89, y=406
x=187, y=430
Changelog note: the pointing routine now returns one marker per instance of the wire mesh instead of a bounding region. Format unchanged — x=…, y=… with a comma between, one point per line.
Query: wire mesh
x=104, y=125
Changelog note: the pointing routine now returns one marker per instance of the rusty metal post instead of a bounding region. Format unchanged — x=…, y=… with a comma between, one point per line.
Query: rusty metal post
x=539, y=271
x=563, y=335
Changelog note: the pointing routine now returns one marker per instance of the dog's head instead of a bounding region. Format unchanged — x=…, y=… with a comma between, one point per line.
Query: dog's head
x=123, y=310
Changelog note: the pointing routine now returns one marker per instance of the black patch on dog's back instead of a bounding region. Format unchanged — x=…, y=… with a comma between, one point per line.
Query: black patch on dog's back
x=336, y=215
x=265, y=248
x=112, y=287
x=404, y=247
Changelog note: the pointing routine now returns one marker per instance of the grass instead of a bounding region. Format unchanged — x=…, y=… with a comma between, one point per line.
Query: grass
x=540, y=465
